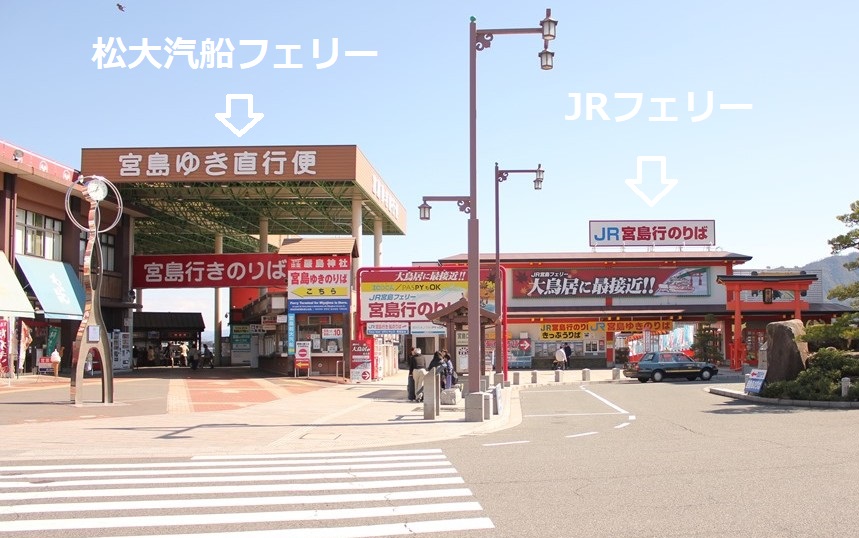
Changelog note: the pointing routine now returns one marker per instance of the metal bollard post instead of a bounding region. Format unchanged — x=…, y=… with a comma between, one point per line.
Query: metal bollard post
x=586, y=374
x=615, y=374
x=534, y=376
x=515, y=378
x=558, y=376
x=845, y=386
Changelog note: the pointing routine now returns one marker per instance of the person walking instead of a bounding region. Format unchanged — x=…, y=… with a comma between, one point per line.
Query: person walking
x=568, y=351
x=193, y=357
x=183, y=354
x=412, y=361
x=560, y=359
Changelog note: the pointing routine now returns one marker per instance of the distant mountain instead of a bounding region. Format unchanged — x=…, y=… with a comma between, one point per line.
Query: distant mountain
x=834, y=273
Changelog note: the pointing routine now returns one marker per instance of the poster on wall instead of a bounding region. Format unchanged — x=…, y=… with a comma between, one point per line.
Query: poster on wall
x=240, y=338
x=318, y=284
x=611, y=282
x=413, y=293
x=577, y=330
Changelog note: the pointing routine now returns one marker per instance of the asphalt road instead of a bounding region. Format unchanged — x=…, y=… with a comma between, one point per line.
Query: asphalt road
x=661, y=460
x=604, y=460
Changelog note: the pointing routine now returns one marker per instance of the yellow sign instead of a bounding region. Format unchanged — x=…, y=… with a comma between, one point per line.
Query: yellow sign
x=320, y=291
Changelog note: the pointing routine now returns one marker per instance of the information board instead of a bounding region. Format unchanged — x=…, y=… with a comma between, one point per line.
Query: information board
x=755, y=381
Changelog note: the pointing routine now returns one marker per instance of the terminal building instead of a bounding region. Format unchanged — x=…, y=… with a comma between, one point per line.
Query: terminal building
x=281, y=227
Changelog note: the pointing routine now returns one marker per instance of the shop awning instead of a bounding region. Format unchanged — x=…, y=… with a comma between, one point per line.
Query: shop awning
x=13, y=300
x=56, y=286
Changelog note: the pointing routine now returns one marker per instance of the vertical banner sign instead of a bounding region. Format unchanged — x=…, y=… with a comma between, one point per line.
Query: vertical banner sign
x=23, y=345
x=290, y=334
x=53, y=338
x=302, y=355
x=4, y=345
x=361, y=364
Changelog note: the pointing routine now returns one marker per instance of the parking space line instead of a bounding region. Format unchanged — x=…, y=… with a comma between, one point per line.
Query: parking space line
x=608, y=403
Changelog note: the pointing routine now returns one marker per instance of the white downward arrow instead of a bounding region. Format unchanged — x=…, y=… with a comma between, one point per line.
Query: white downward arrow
x=639, y=179
x=253, y=117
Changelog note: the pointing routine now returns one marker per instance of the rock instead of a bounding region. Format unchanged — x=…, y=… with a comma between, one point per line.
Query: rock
x=786, y=355
x=450, y=396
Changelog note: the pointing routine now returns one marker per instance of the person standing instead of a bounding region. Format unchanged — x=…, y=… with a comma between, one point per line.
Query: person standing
x=208, y=357
x=560, y=359
x=434, y=368
x=448, y=373
x=412, y=361
x=568, y=351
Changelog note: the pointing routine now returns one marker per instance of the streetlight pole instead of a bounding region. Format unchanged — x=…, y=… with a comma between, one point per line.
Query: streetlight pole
x=481, y=40
x=501, y=321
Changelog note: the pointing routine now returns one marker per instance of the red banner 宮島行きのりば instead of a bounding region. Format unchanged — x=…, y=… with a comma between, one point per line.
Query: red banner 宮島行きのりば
x=208, y=270
x=413, y=293
x=587, y=282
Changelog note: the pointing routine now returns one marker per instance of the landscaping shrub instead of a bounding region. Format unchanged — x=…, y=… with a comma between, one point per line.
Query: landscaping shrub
x=821, y=380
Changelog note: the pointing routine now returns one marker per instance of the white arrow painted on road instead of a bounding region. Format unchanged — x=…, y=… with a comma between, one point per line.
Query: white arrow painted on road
x=639, y=179
x=253, y=117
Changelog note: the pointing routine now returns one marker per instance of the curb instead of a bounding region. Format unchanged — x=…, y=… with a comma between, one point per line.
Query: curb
x=737, y=395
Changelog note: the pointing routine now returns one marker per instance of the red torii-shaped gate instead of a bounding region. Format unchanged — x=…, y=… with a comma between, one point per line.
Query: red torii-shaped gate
x=765, y=284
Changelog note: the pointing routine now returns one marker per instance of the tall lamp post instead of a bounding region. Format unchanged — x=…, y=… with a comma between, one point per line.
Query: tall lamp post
x=479, y=40
x=501, y=321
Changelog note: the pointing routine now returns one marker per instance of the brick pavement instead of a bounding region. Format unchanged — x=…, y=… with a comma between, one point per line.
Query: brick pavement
x=160, y=412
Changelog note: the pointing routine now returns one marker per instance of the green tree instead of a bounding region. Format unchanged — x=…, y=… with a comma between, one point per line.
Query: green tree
x=842, y=333
x=706, y=342
x=844, y=242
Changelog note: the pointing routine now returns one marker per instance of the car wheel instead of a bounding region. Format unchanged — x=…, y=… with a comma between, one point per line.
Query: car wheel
x=657, y=376
x=691, y=377
x=642, y=379
x=706, y=374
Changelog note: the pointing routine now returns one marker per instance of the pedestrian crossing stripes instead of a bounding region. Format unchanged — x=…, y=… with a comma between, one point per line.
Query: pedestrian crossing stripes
x=318, y=495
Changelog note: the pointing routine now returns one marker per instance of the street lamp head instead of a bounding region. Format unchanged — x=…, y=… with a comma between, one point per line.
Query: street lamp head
x=547, y=59
x=549, y=26
x=538, y=178
x=424, y=209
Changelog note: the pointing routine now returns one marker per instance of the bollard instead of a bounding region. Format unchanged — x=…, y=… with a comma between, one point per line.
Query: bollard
x=586, y=374
x=515, y=378
x=558, y=376
x=474, y=404
x=845, y=386
x=534, y=376
x=487, y=406
x=484, y=384
x=615, y=374
x=432, y=395
x=498, y=379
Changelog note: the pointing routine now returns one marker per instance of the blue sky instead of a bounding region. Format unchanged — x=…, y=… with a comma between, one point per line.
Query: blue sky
x=773, y=177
